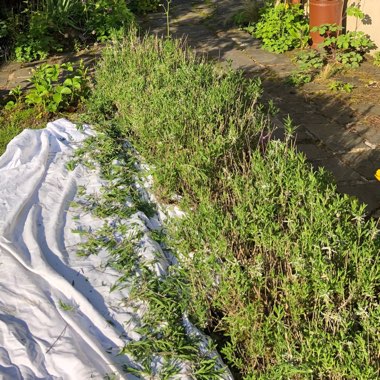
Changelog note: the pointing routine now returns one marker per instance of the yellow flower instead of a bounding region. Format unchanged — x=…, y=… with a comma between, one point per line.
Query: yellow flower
x=377, y=174
x=286, y=6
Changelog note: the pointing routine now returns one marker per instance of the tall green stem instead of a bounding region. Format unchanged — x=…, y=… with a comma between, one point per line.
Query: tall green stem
x=167, y=13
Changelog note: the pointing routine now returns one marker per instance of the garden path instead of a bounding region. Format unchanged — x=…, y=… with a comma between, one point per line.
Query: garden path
x=338, y=132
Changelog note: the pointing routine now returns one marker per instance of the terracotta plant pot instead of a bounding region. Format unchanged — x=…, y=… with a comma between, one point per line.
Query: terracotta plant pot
x=324, y=12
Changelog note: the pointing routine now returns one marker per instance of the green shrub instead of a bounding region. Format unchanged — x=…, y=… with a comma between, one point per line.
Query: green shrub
x=53, y=26
x=145, y=6
x=105, y=17
x=191, y=123
x=281, y=27
x=37, y=42
x=276, y=260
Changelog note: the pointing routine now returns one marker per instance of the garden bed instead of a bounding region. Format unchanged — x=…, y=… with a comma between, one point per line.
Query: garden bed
x=276, y=260
x=271, y=258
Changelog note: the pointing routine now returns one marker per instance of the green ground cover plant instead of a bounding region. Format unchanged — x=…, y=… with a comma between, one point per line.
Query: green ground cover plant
x=309, y=60
x=309, y=63
x=337, y=85
x=277, y=264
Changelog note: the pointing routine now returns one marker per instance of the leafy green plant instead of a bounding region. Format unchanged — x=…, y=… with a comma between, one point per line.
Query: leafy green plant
x=249, y=14
x=49, y=95
x=355, y=11
x=376, y=59
x=309, y=60
x=281, y=28
x=299, y=78
x=351, y=59
x=16, y=93
x=3, y=28
x=309, y=63
x=144, y=6
x=37, y=42
x=341, y=86
x=107, y=17
x=63, y=13
x=347, y=48
x=49, y=26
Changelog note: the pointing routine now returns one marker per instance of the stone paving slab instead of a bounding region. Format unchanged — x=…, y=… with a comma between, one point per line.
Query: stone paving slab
x=334, y=137
x=368, y=109
x=264, y=57
x=314, y=152
x=3, y=79
x=242, y=39
x=341, y=172
x=240, y=61
x=370, y=133
x=369, y=191
x=366, y=163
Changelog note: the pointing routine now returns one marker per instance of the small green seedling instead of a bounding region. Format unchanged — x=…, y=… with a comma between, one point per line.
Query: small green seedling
x=340, y=86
